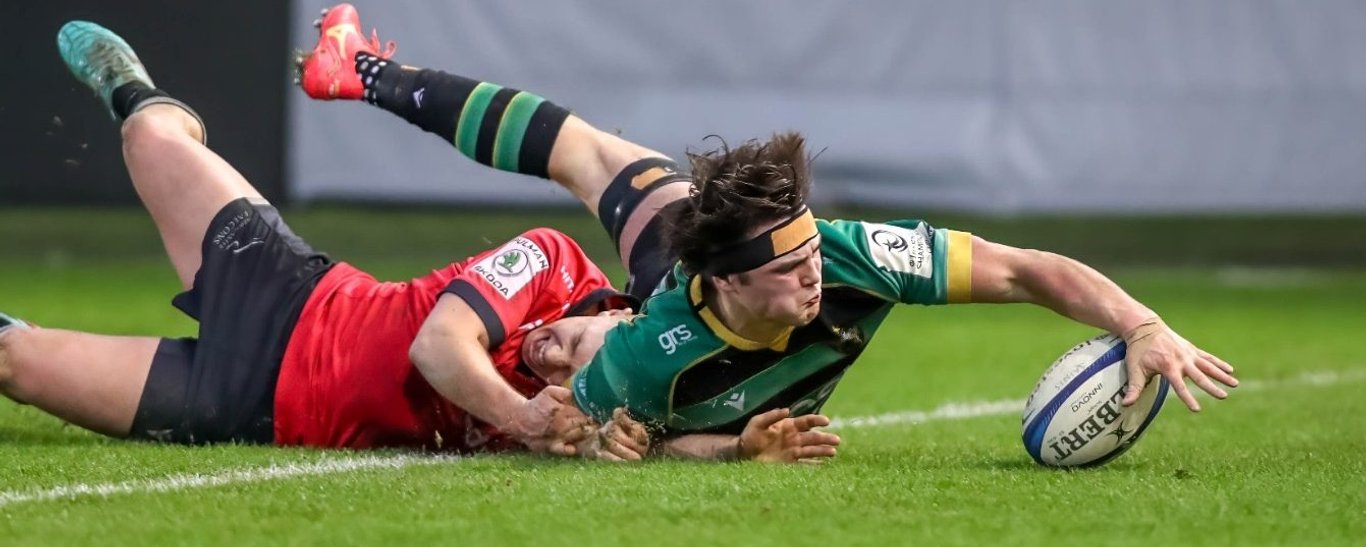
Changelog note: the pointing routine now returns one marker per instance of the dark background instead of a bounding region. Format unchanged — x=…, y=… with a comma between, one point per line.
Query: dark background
x=229, y=60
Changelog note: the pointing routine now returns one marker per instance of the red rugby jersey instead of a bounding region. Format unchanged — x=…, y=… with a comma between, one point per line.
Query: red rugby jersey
x=346, y=381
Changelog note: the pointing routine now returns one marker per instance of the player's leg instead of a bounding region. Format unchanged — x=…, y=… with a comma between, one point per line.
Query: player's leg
x=181, y=182
x=248, y=276
x=88, y=380
x=621, y=182
x=497, y=126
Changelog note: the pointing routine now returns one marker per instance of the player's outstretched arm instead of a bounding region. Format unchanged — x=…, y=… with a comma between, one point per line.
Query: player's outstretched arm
x=451, y=353
x=1001, y=274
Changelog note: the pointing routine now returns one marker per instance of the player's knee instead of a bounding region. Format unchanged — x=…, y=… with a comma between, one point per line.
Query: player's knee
x=145, y=132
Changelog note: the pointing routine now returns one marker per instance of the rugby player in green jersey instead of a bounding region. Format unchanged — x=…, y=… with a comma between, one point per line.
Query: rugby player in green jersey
x=755, y=305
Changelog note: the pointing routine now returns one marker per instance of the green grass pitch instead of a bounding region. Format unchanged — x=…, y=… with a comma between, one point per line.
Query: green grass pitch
x=1281, y=462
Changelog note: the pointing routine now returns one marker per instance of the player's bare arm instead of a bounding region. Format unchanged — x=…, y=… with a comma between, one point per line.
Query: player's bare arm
x=451, y=352
x=1003, y=274
x=773, y=437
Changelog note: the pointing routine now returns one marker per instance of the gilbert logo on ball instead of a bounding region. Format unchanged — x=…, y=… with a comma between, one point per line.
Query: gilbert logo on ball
x=1074, y=417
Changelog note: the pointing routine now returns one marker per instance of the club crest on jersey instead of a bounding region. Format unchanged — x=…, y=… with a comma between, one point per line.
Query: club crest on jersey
x=512, y=266
x=897, y=249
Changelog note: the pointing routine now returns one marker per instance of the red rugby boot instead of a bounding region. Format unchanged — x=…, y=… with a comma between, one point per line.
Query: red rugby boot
x=329, y=72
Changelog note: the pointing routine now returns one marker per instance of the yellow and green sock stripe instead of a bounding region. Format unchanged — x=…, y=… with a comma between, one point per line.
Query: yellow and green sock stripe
x=498, y=124
x=500, y=127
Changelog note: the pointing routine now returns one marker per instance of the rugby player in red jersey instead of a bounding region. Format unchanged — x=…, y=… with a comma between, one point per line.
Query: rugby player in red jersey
x=296, y=349
x=293, y=348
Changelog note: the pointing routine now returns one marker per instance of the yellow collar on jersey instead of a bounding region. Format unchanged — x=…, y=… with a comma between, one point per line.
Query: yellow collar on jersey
x=723, y=332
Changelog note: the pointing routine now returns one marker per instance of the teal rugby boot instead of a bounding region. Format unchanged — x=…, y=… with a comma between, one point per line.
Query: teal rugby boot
x=100, y=59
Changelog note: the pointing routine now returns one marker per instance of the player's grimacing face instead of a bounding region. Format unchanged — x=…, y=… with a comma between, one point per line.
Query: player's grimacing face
x=786, y=290
x=557, y=350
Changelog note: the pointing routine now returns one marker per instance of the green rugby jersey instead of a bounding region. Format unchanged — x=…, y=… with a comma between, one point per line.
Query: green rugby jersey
x=679, y=370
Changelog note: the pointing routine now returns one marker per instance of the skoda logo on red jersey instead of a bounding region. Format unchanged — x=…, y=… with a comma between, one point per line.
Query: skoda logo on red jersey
x=511, y=263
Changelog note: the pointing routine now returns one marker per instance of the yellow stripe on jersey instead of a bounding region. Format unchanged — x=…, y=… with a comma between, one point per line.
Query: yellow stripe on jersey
x=960, y=267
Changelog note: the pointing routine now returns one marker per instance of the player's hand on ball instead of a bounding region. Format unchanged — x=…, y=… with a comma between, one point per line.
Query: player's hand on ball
x=1154, y=348
x=549, y=423
x=620, y=439
x=774, y=436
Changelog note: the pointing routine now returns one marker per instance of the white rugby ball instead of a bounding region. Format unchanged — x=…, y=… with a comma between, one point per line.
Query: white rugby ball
x=1074, y=419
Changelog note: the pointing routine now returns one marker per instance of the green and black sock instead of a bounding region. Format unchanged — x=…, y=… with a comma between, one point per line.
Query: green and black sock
x=500, y=127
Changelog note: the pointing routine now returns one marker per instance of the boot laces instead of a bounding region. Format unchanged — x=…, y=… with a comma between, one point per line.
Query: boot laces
x=385, y=52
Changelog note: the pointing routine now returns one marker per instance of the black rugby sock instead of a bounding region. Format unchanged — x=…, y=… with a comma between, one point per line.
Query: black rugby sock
x=126, y=98
x=132, y=96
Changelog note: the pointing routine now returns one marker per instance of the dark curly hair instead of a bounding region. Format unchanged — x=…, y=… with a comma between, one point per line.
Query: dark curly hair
x=735, y=192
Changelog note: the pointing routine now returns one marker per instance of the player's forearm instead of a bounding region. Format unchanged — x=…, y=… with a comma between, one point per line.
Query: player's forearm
x=1079, y=292
x=462, y=372
x=700, y=447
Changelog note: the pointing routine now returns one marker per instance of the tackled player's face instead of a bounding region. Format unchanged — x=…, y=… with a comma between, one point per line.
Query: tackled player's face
x=786, y=291
x=557, y=350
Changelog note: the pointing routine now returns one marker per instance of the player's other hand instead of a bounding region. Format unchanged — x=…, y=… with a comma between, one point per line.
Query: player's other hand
x=1155, y=349
x=549, y=423
x=621, y=439
x=775, y=436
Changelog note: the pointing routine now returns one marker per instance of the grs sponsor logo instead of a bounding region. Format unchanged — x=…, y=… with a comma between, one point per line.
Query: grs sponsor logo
x=897, y=249
x=673, y=339
x=512, y=266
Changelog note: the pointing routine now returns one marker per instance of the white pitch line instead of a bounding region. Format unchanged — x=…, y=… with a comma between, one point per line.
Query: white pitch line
x=185, y=482
x=1001, y=407
x=946, y=412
